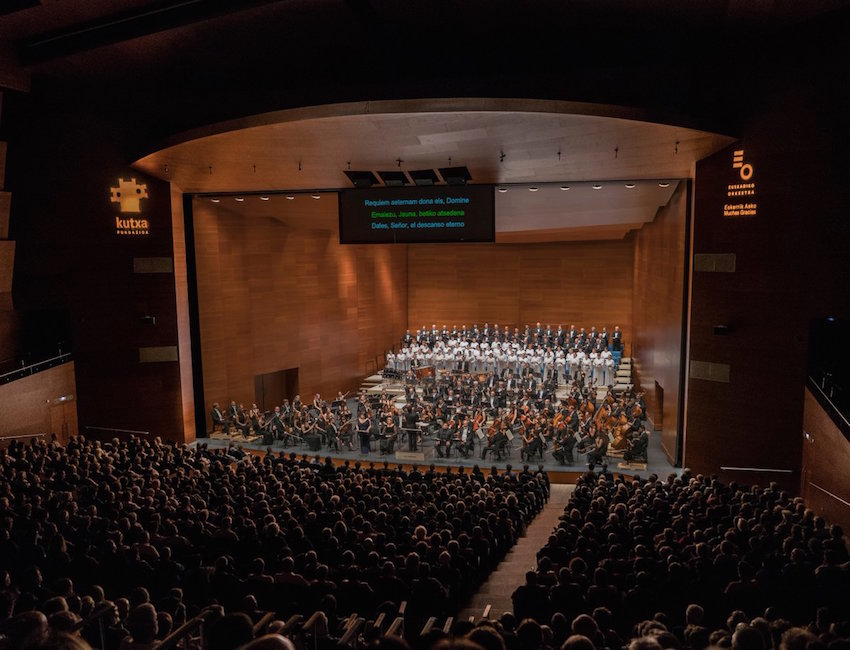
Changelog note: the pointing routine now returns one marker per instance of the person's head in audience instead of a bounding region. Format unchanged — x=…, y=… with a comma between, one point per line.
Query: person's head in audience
x=579, y=642
x=54, y=605
x=164, y=624
x=487, y=637
x=27, y=628
x=529, y=635
x=645, y=643
x=142, y=624
x=269, y=642
x=796, y=638
x=694, y=614
x=123, y=606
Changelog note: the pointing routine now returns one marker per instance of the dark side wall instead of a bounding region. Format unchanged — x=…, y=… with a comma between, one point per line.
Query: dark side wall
x=790, y=265
x=64, y=155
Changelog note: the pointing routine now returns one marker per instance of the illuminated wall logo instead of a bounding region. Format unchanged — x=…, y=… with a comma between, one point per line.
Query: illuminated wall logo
x=128, y=194
x=746, y=169
x=744, y=185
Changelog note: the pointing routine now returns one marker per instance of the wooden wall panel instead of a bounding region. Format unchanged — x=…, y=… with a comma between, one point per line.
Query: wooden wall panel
x=791, y=267
x=825, y=484
x=10, y=339
x=7, y=267
x=5, y=208
x=181, y=292
x=580, y=283
x=272, y=297
x=27, y=401
x=659, y=273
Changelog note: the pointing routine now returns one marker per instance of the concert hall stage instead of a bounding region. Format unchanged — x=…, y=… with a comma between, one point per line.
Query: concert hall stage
x=657, y=460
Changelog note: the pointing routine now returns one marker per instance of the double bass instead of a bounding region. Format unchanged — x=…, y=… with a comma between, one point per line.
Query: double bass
x=494, y=427
x=620, y=433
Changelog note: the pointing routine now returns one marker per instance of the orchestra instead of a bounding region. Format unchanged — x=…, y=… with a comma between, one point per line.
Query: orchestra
x=542, y=392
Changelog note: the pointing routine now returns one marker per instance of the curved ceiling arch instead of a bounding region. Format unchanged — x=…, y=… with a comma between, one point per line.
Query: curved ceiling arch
x=542, y=141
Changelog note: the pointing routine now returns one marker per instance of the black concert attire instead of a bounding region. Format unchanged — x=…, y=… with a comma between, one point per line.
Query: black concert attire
x=465, y=443
x=276, y=425
x=345, y=432
x=617, y=341
x=321, y=430
x=443, y=443
x=496, y=444
x=364, y=429
x=217, y=418
x=638, y=449
x=243, y=423
x=600, y=450
x=533, y=447
x=296, y=434
x=411, y=420
x=389, y=434
x=564, y=453
x=332, y=436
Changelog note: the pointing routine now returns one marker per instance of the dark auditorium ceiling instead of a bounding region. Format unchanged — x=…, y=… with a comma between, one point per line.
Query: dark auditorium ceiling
x=172, y=67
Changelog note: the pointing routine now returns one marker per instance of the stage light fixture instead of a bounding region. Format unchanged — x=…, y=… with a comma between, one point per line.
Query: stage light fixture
x=564, y=188
x=664, y=184
x=316, y=196
x=361, y=178
x=264, y=198
x=630, y=186
x=455, y=175
x=424, y=177
x=533, y=188
x=240, y=199
x=290, y=197
x=394, y=178
x=503, y=189
x=216, y=200
x=597, y=186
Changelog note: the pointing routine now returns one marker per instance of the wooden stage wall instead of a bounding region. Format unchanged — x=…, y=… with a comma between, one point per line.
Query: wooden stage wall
x=273, y=297
x=580, y=283
x=825, y=484
x=659, y=276
x=30, y=405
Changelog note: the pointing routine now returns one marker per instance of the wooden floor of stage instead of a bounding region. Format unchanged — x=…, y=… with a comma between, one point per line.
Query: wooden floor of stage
x=657, y=461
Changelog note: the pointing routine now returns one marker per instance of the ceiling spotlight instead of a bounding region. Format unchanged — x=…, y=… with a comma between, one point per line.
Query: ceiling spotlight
x=264, y=198
x=316, y=196
x=503, y=189
x=290, y=197
x=533, y=188
x=240, y=199
x=664, y=184
x=597, y=186
x=631, y=186
x=216, y=200
x=564, y=188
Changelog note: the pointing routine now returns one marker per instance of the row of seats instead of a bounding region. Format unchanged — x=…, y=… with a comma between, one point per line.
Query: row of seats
x=158, y=532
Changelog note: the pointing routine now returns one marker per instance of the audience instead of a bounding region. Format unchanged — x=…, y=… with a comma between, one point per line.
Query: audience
x=167, y=533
